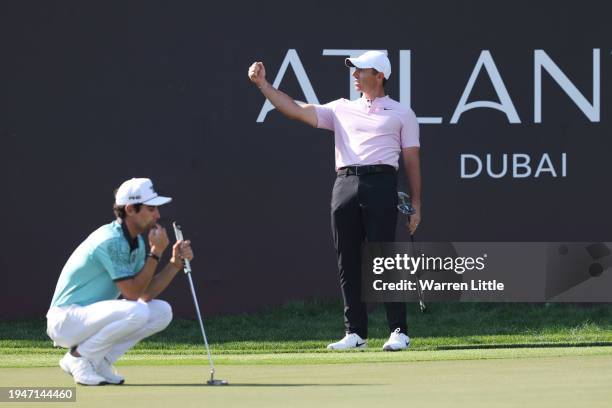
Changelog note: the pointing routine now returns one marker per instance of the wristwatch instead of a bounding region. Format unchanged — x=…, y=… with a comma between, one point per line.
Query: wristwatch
x=152, y=255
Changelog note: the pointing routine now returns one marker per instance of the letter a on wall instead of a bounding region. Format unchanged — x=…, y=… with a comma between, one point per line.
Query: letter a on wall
x=292, y=59
x=505, y=105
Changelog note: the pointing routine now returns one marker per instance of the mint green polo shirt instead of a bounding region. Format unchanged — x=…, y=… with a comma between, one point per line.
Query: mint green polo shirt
x=108, y=255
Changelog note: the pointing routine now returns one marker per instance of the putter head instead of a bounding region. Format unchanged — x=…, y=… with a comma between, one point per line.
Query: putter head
x=217, y=382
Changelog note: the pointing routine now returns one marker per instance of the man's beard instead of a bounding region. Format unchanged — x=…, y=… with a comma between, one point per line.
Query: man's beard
x=149, y=226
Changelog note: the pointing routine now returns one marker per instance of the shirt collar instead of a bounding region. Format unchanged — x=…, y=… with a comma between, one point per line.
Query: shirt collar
x=126, y=233
x=380, y=101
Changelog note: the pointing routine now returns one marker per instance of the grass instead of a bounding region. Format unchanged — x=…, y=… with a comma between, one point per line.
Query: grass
x=463, y=355
x=563, y=381
x=301, y=328
x=27, y=358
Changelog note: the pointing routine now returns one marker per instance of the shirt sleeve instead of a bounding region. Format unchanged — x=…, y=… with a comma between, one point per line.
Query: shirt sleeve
x=410, y=130
x=114, y=255
x=142, y=257
x=326, y=116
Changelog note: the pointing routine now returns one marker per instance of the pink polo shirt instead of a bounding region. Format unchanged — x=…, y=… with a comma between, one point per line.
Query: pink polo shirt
x=369, y=132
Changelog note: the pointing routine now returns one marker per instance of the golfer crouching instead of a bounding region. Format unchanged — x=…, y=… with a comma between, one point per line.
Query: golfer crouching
x=85, y=315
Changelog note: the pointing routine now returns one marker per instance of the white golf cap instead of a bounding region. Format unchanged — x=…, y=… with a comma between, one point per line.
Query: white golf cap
x=371, y=59
x=139, y=191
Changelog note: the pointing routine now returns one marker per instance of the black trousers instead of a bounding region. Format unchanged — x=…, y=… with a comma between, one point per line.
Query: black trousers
x=363, y=208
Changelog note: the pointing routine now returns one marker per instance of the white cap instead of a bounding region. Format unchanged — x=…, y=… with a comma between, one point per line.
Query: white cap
x=371, y=59
x=139, y=191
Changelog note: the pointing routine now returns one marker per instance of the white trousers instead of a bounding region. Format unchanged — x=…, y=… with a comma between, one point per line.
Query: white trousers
x=107, y=329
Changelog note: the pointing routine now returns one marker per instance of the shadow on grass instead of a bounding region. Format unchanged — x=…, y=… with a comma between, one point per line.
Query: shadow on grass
x=233, y=385
x=525, y=345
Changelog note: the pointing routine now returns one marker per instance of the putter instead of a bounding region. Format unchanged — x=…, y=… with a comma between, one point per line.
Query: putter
x=187, y=269
x=406, y=208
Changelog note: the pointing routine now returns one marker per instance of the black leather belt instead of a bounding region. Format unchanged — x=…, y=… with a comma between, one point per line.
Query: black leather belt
x=361, y=170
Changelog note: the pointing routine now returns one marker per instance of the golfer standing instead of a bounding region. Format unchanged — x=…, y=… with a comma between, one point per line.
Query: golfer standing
x=370, y=135
x=85, y=315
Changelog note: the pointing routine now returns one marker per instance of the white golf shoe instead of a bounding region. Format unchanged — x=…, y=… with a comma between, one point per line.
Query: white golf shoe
x=106, y=370
x=397, y=341
x=350, y=341
x=81, y=369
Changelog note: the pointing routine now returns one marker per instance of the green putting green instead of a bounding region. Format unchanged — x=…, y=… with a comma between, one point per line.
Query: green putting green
x=500, y=381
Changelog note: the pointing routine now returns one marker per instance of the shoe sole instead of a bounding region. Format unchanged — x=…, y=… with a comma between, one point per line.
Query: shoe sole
x=92, y=385
x=387, y=348
x=362, y=347
x=115, y=383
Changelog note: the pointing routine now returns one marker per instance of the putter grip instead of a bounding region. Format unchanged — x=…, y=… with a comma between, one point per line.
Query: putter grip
x=178, y=233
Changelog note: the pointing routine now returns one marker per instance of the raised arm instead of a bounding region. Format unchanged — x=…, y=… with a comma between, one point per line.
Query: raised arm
x=134, y=288
x=281, y=101
x=181, y=250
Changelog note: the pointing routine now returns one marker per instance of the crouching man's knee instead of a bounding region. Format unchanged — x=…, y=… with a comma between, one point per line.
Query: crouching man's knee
x=138, y=314
x=160, y=314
